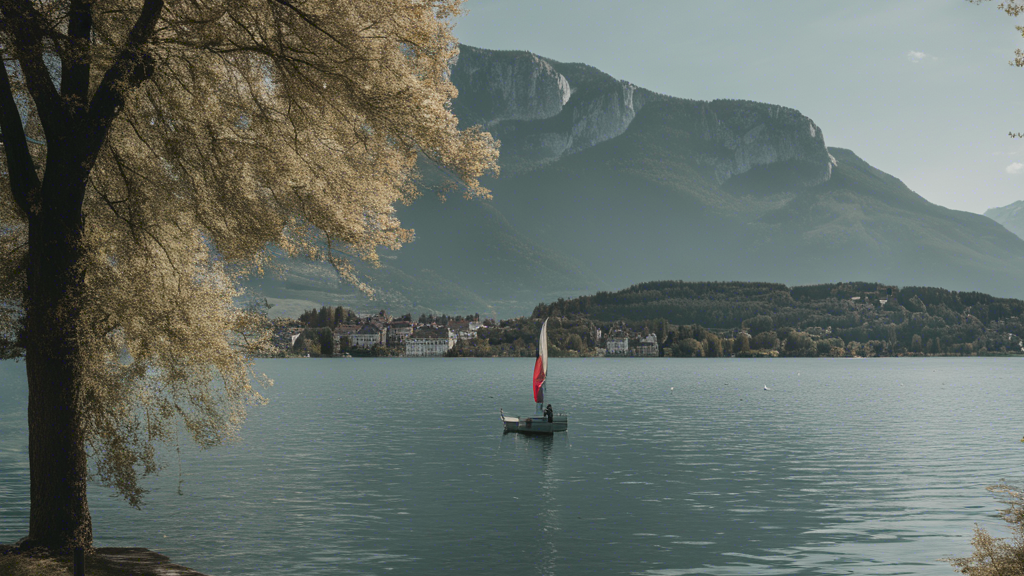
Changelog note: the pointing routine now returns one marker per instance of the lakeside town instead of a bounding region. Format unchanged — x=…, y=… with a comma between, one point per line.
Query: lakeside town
x=377, y=334
x=343, y=333
x=688, y=320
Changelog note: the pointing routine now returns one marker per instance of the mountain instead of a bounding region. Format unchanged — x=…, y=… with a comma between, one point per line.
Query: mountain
x=1010, y=216
x=466, y=258
x=605, y=184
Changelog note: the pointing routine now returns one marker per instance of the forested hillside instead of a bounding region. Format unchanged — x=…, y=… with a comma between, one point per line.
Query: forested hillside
x=855, y=318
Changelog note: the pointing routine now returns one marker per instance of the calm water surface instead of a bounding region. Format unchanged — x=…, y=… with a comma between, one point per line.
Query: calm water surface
x=378, y=466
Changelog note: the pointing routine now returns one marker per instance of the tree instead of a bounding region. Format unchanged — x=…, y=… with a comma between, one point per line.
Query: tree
x=713, y=346
x=767, y=340
x=150, y=143
x=325, y=341
x=325, y=318
x=890, y=336
x=741, y=344
x=574, y=342
x=998, y=556
x=1014, y=9
x=797, y=342
x=876, y=347
x=688, y=348
x=758, y=324
x=914, y=304
x=661, y=329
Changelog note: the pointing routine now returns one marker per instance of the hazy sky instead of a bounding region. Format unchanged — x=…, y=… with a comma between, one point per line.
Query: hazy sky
x=920, y=89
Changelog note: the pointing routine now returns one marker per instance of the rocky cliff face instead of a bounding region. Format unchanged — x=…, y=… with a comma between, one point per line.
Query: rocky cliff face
x=603, y=116
x=586, y=119
x=542, y=110
x=496, y=86
x=750, y=134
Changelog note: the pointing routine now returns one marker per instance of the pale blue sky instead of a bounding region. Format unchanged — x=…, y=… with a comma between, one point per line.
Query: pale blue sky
x=920, y=89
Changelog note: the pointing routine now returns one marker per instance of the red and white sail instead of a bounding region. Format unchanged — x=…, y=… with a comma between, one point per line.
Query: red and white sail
x=540, y=369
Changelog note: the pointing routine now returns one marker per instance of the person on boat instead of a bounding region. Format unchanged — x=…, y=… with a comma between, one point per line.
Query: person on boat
x=549, y=413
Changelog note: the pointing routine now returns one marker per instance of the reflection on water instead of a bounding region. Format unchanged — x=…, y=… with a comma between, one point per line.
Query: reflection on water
x=671, y=467
x=536, y=454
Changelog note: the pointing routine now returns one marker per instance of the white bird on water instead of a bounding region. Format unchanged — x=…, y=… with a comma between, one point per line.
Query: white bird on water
x=767, y=388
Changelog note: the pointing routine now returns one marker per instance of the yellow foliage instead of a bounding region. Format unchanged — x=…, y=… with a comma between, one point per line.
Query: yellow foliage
x=295, y=123
x=998, y=556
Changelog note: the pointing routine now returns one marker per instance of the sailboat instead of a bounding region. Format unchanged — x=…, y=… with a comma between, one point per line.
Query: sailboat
x=543, y=421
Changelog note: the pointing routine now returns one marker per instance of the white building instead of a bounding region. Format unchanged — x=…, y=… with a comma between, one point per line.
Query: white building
x=465, y=329
x=368, y=336
x=430, y=342
x=617, y=346
x=343, y=336
x=648, y=346
x=399, y=332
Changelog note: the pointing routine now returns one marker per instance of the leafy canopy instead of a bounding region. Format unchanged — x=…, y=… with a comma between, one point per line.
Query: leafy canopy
x=224, y=127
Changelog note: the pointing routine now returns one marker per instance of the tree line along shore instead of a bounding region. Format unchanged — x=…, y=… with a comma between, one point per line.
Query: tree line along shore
x=689, y=319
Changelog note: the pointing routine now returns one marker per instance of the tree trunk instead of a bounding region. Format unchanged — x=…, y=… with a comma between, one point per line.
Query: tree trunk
x=59, y=517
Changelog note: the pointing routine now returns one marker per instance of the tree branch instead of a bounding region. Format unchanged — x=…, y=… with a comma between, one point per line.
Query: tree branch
x=20, y=167
x=309, y=20
x=133, y=66
x=28, y=27
x=77, y=57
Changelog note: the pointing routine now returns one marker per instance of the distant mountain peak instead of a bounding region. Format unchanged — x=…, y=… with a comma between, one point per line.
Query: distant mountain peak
x=1012, y=209
x=1010, y=216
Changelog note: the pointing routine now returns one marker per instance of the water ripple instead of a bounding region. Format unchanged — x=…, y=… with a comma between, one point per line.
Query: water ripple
x=369, y=466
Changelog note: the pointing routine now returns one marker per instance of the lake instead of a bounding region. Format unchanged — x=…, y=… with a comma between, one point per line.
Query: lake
x=670, y=467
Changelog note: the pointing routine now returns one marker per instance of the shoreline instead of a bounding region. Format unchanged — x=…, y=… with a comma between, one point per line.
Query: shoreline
x=619, y=357
x=98, y=562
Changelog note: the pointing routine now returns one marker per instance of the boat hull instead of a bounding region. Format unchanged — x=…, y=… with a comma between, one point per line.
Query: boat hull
x=536, y=425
